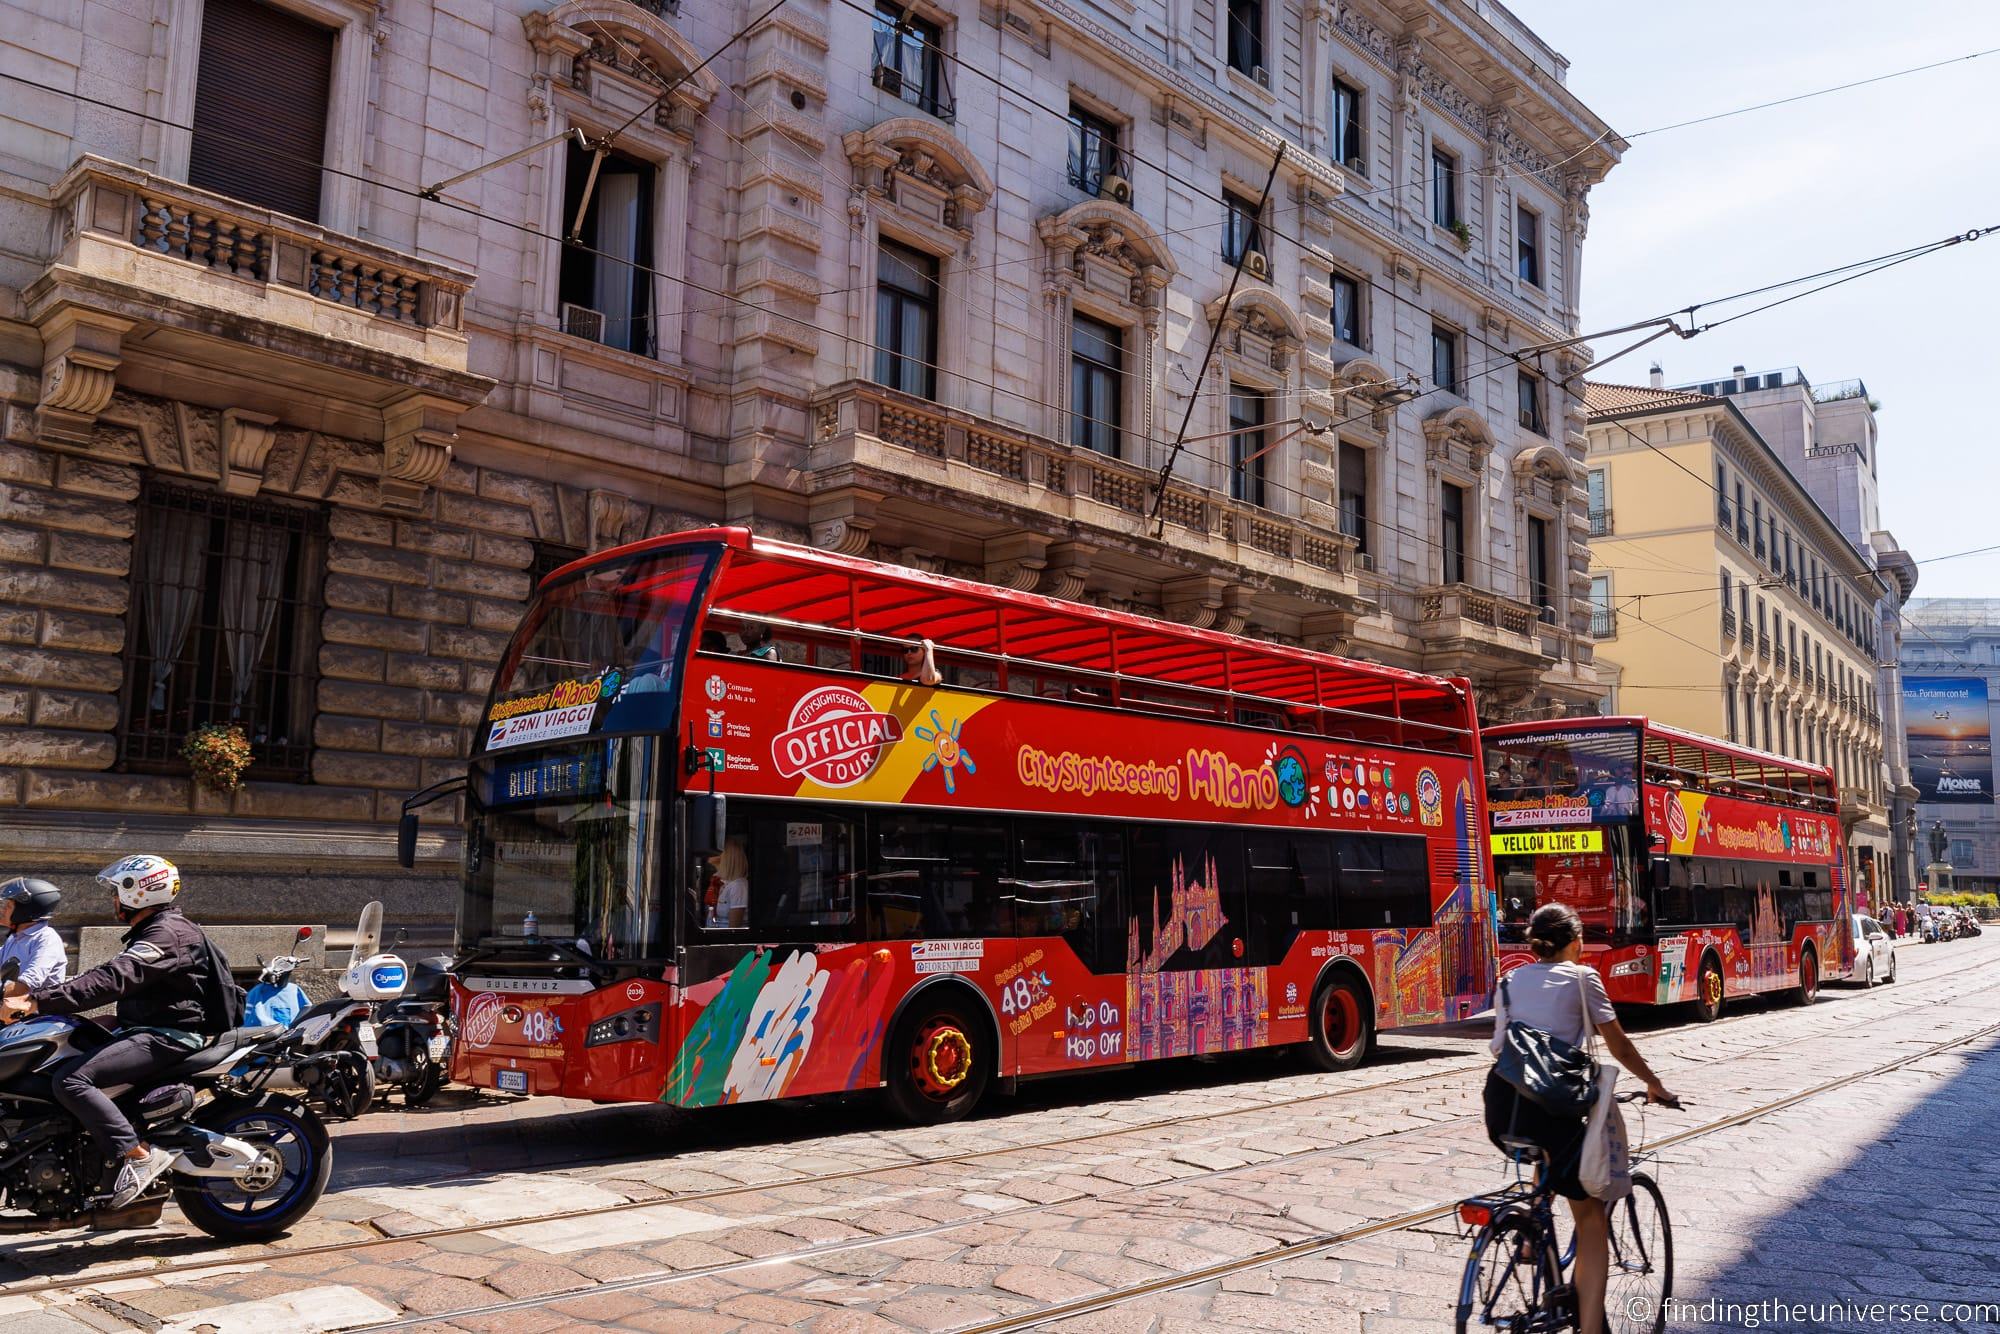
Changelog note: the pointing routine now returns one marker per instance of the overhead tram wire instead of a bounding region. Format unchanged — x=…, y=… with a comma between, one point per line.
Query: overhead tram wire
x=1504, y=355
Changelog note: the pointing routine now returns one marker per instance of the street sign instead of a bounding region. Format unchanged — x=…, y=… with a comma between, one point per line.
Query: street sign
x=1547, y=842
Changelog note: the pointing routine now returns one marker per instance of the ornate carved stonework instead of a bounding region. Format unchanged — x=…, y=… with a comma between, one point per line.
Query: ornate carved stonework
x=247, y=438
x=80, y=357
x=921, y=168
x=418, y=434
x=1370, y=40
x=843, y=537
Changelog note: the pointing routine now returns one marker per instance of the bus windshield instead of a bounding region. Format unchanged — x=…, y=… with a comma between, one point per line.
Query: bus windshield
x=1566, y=775
x=571, y=835
x=1600, y=885
x=599, y=652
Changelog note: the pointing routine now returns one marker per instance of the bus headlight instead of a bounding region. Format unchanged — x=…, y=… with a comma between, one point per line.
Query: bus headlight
x=641, y=1024
x=1631, y=966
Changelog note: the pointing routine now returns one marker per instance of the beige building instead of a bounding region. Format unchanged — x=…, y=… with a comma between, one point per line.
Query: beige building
x=1728, y=602
x=303, y=386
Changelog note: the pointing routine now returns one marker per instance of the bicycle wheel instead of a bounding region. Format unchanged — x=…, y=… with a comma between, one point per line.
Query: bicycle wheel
x=1507, y=1280
x=1642, y=1261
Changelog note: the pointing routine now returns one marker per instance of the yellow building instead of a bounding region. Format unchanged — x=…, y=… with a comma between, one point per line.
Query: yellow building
x=1724, y=599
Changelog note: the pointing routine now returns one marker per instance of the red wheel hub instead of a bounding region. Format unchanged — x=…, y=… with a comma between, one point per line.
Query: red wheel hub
x=1340, y=1018
x=941, y=1058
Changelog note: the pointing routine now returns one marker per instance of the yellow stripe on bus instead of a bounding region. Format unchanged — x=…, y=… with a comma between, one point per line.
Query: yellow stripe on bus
x=1543, y=842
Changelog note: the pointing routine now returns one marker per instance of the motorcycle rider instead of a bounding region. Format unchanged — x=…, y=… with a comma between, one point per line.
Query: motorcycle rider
x=163, y=983
x=25, y=908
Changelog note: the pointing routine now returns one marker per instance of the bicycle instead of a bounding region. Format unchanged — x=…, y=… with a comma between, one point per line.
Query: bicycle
x=1516, y=1275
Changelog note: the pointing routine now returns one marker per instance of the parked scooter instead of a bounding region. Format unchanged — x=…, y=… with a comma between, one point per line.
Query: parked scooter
x=412, y=1045
x=327, y=1058
x=276, y=999
x=251, y=1162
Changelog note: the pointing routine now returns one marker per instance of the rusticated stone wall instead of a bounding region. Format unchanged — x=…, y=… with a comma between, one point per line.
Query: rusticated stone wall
x=417, y=609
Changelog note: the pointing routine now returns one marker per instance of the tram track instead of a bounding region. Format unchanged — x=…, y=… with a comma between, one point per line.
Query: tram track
x=1302, y=1247
x=358, y=1246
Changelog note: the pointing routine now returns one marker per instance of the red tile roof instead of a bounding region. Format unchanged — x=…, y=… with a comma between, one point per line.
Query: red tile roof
x=1609, y=399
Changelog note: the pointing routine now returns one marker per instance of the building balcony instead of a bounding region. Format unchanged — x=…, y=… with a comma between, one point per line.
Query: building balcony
x=1458, y=623
x=1778, y=659
x=1763, y=643
x=1728, y=623
x=1600, y=523
x=270, y=312
x=907, y=473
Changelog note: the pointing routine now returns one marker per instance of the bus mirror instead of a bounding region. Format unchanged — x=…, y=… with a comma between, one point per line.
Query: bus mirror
x=406, y=840
x=1663, y=873
x=708, y=821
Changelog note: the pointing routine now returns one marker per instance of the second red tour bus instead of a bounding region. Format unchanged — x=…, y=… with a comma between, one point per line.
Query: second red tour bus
x=733, y=833
x=1701, y=869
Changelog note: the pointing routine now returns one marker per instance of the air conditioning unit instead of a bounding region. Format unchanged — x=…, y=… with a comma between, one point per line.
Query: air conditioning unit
x=1366, y=561
x=889, y=79
x=1115, y=188
x=1256, y=265
x=583, y=322
x=1261, y=75
x=1357, y=166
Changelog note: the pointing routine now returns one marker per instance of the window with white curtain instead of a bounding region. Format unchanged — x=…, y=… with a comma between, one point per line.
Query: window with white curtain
x=225, y=605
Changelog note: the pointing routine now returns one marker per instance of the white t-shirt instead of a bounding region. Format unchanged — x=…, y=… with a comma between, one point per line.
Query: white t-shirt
x=1545, y=996
x=733, y=894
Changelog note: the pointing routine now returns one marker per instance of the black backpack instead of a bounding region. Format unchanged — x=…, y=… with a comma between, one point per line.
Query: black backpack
x=222, y=1001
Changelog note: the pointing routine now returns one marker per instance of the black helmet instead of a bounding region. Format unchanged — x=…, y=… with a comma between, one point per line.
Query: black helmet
x=33, y=900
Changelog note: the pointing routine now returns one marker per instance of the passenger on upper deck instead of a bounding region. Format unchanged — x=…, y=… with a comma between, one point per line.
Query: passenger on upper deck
x=920, y=663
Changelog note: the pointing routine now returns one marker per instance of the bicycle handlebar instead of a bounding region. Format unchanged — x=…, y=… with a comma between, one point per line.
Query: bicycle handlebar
x=1640, y=1096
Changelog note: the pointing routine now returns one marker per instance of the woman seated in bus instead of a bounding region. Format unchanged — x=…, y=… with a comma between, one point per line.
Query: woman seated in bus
x=1552, y=994
x=731, y=908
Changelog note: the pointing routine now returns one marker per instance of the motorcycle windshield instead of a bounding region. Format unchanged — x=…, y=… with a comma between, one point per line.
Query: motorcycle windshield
x=367, y=935
x=577, y=850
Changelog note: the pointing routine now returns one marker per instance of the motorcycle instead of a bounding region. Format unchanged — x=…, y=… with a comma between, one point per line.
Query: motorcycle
x=411, y=1043
x=328, y=1059
x=250, y=1161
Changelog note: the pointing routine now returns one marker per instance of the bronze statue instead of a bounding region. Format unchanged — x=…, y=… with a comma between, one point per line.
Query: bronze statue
x=1939, y=841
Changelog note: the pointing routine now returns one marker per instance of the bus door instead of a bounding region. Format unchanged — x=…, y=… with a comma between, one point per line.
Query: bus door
x=1062, y=1002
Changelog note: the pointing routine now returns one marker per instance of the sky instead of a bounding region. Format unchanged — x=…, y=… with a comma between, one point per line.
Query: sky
x=1713, y=209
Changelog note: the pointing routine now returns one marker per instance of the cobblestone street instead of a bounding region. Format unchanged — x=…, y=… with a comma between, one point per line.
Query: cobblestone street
x=1175, y=1198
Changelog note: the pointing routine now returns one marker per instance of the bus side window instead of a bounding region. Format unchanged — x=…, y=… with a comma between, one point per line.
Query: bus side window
x=1290, y=879
x=937, y=877
x=1382, y=881
x=802, y=873
x=1676, y=900
x=1069, y=882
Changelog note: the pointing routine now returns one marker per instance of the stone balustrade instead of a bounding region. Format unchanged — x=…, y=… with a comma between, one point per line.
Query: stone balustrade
x=103, y=201
x=1048, y=472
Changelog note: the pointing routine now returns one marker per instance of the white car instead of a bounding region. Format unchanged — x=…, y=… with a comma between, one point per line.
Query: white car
x=1874, y=952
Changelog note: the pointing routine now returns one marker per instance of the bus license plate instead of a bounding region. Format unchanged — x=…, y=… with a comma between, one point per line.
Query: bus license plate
x=511, y=1081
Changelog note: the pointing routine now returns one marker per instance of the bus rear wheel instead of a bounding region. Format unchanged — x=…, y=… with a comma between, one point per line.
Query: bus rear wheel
x=1342, y=1025
x=1708, y=991
x=938, y=1063
x=1808, y=991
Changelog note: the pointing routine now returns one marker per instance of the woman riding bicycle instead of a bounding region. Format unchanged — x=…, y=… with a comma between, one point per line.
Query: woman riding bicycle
x=1552, y=994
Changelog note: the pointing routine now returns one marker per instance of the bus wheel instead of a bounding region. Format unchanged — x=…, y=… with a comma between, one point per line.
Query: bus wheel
x=1808, y=991
x=1708, y=991
x=1342, y=1025
x=938, y=1063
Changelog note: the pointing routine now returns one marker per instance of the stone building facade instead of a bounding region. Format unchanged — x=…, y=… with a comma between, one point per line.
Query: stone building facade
x=303, y=385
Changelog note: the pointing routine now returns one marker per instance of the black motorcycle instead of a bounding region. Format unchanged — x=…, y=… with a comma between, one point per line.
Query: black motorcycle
x=251, y=1162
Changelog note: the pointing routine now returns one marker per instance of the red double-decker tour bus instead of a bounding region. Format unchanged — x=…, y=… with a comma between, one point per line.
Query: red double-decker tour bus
x=1701, y=869
x=734, y=832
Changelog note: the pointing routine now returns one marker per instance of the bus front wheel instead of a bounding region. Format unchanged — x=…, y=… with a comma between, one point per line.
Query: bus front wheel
x=1708, y=991
x=1342, y=1024
x=938, y=1063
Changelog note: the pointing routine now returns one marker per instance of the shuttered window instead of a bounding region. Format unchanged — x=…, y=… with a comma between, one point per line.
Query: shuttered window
x=260, y=106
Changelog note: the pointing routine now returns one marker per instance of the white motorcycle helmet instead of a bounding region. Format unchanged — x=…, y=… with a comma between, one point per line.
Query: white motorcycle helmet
x=141, y=882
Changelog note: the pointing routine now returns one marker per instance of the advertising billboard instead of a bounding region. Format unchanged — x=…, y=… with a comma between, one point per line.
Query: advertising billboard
x=1951, y=738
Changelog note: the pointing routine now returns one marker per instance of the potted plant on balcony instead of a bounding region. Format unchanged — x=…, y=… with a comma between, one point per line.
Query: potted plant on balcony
x=219, y=753
x=1463, y=231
